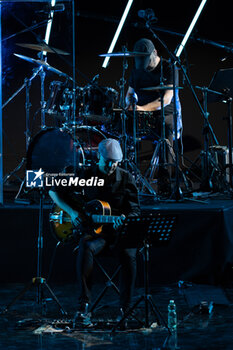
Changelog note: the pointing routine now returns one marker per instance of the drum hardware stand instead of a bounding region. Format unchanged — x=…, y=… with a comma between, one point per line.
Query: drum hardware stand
x=26, y=85
x=126, y=162
x=207, y=129
x=222, y=82
x=229, y=119
x=42, y=89
x=160, y=153
x=162, y=150
x=177, y=194
x=121, y=85
x=39, y=282
x=206, y=183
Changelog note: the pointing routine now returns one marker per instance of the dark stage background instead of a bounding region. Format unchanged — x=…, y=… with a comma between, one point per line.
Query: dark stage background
x=200, y=249
x=95, y=26
x=209, y=230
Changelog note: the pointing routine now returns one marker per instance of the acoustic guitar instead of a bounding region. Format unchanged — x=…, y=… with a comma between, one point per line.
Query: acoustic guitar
x=96, y=212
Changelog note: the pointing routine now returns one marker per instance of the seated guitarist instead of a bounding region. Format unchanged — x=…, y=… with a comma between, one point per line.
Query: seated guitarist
x=120, y=192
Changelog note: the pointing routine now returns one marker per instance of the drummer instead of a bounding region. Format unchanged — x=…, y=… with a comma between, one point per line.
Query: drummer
x=147, y=73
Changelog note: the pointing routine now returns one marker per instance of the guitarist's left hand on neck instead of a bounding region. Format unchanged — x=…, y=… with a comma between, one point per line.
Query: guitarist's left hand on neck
x=118, y=222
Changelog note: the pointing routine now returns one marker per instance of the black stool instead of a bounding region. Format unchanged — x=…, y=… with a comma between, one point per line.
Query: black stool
x=108, y=284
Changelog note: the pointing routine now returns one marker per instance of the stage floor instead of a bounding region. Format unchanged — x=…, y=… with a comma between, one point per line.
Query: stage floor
x=24, y=327
x=200, y=253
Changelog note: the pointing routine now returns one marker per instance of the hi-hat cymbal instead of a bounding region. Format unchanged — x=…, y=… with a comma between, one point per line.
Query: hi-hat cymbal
x=124, y=54
x=43, y=48
x=44, y=64
x=160, y=87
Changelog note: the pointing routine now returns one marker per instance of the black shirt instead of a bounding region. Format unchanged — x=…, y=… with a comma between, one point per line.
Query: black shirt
x=141, y=78
x=119, y=191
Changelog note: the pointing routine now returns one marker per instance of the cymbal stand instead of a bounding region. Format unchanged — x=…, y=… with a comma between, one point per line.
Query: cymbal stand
x=134, y=102
x=229, y=119
x=42, y=101
x=26, y=85
x=206, y=183
x=177, y=193
x=126, y=162
x=163, y=148
x=122, y=83
x=159, y=155
x=42, y=97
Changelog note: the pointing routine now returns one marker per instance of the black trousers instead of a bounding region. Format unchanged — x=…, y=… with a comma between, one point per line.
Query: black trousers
x=90, y=247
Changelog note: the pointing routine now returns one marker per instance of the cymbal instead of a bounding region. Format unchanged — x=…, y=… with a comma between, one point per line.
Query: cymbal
x=43, y=48
x=43, y=64
x=160, y=87
x=125, y=54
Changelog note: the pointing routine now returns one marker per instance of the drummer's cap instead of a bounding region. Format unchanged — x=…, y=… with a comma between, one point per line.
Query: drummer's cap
x=110, y=149
x=146, y=46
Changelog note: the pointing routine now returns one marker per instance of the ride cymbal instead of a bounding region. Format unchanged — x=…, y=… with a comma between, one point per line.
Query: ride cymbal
x=43, y=64
x=160, y=87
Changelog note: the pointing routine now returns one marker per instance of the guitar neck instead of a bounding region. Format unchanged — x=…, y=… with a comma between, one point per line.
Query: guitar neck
x=103, y=219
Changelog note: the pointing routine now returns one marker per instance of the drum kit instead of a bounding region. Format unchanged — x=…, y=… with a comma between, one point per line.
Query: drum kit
x=83, y=116
x=99, y=113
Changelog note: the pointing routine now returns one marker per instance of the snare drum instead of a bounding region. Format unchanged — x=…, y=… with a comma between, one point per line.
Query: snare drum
x=144, y=122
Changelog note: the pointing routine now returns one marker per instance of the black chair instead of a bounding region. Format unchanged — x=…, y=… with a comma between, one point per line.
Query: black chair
x=108, y=284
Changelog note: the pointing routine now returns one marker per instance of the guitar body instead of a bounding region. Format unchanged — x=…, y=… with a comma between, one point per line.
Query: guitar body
x=61, y=226
x=97, y=207
x=63, y=229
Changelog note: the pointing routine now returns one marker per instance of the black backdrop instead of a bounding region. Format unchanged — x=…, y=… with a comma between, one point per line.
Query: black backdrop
x=96, y=23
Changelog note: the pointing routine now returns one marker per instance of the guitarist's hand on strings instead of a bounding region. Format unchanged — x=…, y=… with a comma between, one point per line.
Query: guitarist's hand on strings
x=118, y=222
x=75, y=218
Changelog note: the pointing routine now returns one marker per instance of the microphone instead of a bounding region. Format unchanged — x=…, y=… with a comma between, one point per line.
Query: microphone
x=148, y=15
x=56, y=8
x=134, y=98
x=131, y=99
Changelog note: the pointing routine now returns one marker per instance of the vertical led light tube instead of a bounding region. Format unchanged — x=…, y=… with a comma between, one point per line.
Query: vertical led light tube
x=118, y=31
x=1, y=133
x=189, y=31
x=49, y=25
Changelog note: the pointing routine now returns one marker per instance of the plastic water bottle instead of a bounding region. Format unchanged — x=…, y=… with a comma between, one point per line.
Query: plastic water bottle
x=172, y=317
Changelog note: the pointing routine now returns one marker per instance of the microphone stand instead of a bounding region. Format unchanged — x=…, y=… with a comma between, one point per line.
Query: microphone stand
x=134, y=102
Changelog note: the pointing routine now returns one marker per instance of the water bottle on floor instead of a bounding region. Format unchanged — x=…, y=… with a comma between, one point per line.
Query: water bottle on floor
x=172, y=325
x=172, y=317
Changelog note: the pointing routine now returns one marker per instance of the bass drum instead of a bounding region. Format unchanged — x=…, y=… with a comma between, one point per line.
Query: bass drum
x=53, y=149
x=89, y=138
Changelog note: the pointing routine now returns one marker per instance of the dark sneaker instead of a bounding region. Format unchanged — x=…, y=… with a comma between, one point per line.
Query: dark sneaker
x=122, y=324
x=82, y=317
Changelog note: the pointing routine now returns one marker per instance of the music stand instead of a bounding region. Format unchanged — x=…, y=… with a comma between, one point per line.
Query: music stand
x=222, y=86
x=153, y=230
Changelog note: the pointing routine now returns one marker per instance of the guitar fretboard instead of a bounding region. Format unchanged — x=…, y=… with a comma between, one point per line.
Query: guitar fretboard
x=103, y=219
